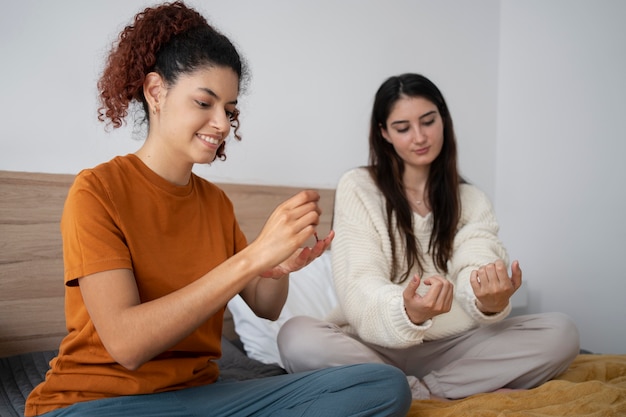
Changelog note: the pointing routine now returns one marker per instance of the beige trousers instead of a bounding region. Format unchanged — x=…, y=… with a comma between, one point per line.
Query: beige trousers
x=520, y=352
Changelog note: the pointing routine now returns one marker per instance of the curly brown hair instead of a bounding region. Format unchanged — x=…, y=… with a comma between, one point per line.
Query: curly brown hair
x=170, y=39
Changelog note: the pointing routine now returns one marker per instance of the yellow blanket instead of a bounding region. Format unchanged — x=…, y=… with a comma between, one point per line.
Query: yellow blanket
x=593, y=386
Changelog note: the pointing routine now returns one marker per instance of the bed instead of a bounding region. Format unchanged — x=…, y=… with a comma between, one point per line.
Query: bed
x=32, y=322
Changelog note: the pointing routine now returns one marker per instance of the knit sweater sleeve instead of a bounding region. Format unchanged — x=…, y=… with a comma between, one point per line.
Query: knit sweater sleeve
x=475, y=244
x=370, y=305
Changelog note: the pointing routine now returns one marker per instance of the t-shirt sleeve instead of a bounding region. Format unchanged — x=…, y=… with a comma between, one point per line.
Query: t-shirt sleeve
x=92, y=239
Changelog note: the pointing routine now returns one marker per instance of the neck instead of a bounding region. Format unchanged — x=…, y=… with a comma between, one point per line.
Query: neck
x=415, y=186
x=415, y=177
x=414, y=181
x=164, y=166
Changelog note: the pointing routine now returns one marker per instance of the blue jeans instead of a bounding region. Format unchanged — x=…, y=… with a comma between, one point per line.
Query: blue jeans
x=352, y=390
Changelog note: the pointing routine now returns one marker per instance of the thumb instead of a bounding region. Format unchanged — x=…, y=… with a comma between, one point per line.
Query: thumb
x=415, y=282
x=516, y=275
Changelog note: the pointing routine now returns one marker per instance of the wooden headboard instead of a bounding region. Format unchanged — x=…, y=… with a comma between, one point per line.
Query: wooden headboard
x=31, y=260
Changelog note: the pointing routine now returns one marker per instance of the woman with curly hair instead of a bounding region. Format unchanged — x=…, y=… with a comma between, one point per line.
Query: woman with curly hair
x=421, y=276
x=153, y=253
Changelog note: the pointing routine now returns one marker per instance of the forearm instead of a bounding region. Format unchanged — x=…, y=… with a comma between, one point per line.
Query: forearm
x=267, y=296
x=135, y=332
x=370, y=302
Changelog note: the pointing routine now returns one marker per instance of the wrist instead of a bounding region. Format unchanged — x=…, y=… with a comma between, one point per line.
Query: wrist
x=488, y=310
x=415, y=322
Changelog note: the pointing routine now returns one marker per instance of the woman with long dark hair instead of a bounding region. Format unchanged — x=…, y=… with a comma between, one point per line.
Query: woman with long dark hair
x=422, y=278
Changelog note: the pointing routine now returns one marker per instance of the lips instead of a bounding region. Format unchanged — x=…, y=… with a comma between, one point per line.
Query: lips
x=422, y=151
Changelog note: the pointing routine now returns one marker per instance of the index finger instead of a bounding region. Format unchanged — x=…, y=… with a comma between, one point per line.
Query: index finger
x=306, y=196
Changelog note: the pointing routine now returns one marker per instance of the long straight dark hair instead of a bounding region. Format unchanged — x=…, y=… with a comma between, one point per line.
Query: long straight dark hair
x=442, y=187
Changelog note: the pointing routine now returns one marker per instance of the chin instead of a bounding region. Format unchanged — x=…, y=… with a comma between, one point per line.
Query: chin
x=205, y=159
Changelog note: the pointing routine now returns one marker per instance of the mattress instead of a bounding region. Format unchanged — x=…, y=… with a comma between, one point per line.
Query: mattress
x=19, y=374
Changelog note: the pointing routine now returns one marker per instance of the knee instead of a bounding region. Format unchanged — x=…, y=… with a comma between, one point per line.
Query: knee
x=393, y=381
x=564, y=337
x=298, y=345
x=386, y=381
x=292, y=335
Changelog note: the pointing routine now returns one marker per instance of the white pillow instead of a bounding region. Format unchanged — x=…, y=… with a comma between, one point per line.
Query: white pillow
x=311, y=293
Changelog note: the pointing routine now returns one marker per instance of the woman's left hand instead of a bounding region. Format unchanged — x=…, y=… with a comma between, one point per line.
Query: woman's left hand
x=300, y=258
x=493, y=287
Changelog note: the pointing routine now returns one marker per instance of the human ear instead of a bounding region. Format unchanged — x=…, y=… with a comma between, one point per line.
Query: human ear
x=384, y=133
x=152, y=89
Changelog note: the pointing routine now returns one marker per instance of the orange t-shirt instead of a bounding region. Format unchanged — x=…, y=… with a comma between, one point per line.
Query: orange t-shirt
x=122, y=215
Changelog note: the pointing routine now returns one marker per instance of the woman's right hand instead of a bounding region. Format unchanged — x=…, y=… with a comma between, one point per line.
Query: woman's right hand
x=288, y=227
x=436, y=301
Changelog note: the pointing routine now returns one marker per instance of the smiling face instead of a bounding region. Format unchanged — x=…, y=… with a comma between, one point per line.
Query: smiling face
x=197, y=112
x=415, y=130
x=192, y=119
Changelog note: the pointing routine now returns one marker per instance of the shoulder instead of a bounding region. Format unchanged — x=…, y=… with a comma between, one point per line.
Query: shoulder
x=474, y=202
x=117, y=167
x=105, y=187
x=358, y=197
x=100, y=175
x=357, y=185
x=471, y=193
x=357, y=178
x=117, y=180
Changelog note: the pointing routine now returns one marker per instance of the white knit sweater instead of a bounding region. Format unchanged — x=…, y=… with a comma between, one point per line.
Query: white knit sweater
x=370, y=304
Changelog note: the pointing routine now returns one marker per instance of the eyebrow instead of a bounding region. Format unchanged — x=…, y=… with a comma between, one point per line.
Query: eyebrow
x=213, y=94
x=421, y=117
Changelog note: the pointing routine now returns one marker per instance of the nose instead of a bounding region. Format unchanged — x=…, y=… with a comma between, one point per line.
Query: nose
x=418, y=135
x=221, y=122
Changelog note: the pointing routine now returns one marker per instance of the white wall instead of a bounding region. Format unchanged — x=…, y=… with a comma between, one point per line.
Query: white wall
x=560, y=192
x=315, y=65
x=535, y=87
